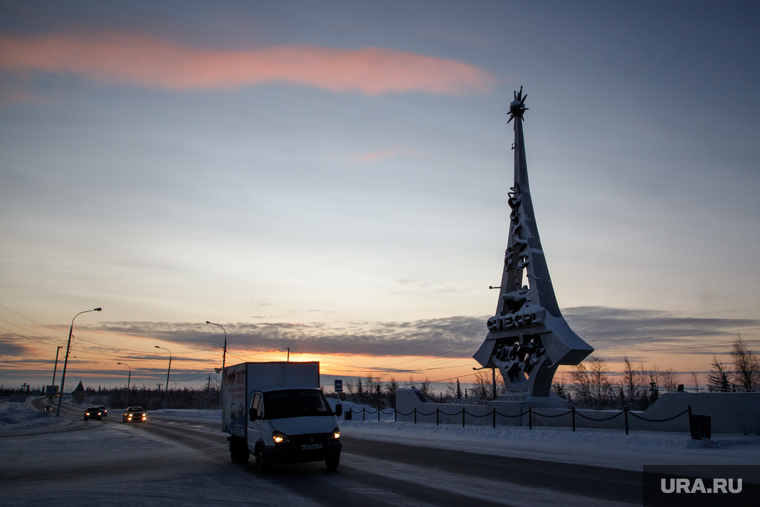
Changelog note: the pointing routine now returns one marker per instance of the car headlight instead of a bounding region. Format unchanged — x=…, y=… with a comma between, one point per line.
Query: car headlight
x=280, y=438
x=86, y=413
x=335, y=434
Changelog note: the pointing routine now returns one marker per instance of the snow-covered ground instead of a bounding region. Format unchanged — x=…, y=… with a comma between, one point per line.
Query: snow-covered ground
x=611, y=449
x=22, y=418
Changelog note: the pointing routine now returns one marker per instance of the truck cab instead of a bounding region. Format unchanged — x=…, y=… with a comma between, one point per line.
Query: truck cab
x=293, y=424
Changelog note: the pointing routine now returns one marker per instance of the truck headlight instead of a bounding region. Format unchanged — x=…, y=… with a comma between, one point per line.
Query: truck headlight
x=280, y=438
x=335, y=434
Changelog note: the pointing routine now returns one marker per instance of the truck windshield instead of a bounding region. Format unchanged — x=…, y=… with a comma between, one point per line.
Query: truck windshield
x=295, y=403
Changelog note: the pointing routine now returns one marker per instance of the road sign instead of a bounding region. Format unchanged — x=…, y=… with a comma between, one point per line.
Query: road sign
x=338, y=386
x=51, y=390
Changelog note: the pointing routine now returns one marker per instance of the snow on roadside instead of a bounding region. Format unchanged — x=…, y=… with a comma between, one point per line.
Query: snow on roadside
x=16, y=418
x=612, y=449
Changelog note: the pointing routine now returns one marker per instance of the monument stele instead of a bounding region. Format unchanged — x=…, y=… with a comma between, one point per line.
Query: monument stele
x=527, y=337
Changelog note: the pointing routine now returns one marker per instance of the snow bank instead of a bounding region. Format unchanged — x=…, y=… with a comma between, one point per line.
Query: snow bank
x=613, y=449
x=16, y=418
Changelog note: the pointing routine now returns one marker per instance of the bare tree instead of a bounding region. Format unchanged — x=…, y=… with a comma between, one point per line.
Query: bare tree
x=694, y=381
x=600, y=383
x=425, y=388
x=558, y=386
x=717, y=379
x=483, y=385
x=668, y=380
x=581, y=384
x=631, y=381
x=746, y=367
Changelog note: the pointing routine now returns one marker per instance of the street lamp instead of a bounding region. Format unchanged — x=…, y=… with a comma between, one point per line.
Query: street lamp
x=66, y=361
x=224, y=357
x=166, y=391
x=129, y=379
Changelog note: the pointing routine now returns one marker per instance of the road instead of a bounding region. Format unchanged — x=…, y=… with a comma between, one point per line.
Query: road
x=165, y=462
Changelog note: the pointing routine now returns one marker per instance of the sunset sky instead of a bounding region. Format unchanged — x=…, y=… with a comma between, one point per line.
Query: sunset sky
x=332, y=177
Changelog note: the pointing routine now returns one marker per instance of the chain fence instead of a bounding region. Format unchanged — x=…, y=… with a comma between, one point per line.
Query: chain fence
x=494, y=413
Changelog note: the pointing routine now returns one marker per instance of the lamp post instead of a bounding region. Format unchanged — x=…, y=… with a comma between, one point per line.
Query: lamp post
x=66, y=361
x=224, y=357
x=129, y=379
x=166, y=391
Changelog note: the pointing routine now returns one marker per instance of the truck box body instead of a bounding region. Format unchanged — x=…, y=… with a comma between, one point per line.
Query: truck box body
x=242, y=379
x=277, y=412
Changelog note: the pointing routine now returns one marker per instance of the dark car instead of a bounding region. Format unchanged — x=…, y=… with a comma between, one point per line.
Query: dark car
x=103, y=410
x=135, y=414
x=93, y=413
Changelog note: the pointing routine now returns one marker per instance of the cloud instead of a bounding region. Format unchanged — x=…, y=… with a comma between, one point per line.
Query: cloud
x=609, y=330
x=368, y=158
x=616, y=329
x=141, y=60
x=422, y=337
x=9, y=347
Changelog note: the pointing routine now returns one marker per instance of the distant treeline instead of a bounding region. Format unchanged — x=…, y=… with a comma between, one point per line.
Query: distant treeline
x=175, y=398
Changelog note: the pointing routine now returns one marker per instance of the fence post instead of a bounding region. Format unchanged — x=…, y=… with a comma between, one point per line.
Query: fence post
x=573, y=418
x=415, y=416
x=378, y=414
x=625, y=409
x=494, y=418
x=395, y=415
x=364, y=414
x=437, y=410
x=464, y=412
x=530, y=418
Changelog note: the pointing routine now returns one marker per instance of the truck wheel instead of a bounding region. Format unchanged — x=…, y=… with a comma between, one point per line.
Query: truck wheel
x=332, y=463
x=262, y=463
x=239, y=451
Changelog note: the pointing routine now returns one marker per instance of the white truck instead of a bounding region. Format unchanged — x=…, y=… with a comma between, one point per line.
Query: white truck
x=277, y=412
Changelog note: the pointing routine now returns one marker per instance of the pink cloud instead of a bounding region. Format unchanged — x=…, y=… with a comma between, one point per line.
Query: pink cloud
x=367, y=158
x=140, y=60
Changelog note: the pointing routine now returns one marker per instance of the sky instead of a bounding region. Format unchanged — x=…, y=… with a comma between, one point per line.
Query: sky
x=332, y=178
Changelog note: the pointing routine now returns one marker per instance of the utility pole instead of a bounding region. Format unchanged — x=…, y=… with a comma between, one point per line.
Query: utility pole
x=166, y=391
x=224, y=357
x=208, y=388
x=55, y=368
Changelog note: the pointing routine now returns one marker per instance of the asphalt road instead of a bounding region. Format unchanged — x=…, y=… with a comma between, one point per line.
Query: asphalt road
x=187, y=463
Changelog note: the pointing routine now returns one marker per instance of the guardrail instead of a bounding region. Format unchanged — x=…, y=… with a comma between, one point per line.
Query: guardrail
x=530, y=413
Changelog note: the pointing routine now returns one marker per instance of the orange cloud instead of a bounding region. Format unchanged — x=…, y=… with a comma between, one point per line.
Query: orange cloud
x=140, y=60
